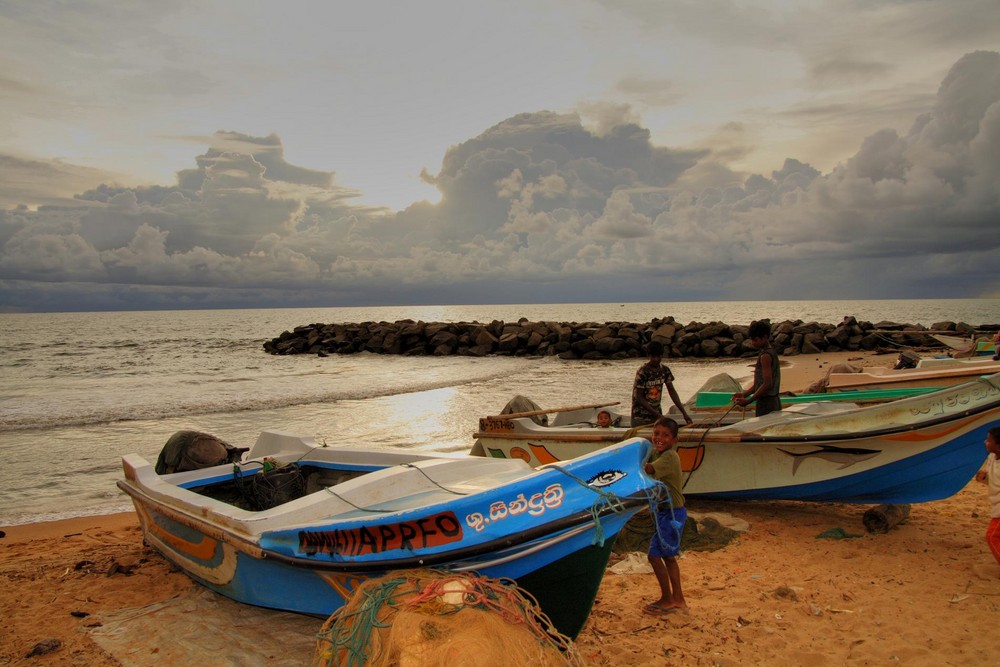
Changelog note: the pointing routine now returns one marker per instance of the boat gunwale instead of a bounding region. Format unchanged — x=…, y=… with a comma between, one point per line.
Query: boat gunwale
x=753, y=438
x=509, y=541
x=732, y=437
x=688, y=435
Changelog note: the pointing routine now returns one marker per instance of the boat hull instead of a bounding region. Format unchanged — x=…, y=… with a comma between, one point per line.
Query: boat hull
x=933, y=373
x=913, y=450
x=551, y=533
x=565, y=586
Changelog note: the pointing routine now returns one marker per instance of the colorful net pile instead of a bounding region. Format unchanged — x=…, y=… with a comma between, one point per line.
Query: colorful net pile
x=437, y=619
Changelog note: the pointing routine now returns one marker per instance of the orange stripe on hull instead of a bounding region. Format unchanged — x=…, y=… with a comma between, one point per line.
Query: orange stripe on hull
x=913, y=436
x=203, y=550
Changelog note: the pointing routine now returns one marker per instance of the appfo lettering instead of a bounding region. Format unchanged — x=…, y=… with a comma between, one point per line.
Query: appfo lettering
x=432, y=531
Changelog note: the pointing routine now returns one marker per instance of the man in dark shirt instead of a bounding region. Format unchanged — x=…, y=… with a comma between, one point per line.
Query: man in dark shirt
x=766, y=373
x=647, y=390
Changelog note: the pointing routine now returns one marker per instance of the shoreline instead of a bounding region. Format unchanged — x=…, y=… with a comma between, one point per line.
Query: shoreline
x=797, y=373
x=69, y=527
x=926, y=592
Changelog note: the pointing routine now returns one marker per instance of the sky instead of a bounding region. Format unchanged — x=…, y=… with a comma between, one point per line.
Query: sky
x=237, y=153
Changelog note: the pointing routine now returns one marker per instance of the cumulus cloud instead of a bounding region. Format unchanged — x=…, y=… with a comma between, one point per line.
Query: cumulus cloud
x=541, y=206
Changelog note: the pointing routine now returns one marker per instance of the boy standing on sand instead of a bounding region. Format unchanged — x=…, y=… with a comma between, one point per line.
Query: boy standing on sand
x=647, y=390
x=766, y=373
x=665, y=545
x=990, y=474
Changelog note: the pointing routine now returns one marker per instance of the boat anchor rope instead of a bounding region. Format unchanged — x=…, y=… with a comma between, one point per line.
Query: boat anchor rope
x=610, y=501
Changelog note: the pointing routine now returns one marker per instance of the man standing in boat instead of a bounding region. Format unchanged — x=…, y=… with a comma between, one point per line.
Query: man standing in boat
x=647, y=391
x=766, y=373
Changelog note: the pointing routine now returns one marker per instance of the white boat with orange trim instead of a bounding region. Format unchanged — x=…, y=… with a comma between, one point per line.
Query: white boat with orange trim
x=916, y=449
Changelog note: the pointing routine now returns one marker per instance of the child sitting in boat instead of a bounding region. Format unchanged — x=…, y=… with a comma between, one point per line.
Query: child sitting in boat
x=604, y=419
x=665, y=544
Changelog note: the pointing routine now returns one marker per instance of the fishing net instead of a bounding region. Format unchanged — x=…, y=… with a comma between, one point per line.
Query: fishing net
x=636, y=533
x=272, y=487
x=432, y=618
x=703, y=534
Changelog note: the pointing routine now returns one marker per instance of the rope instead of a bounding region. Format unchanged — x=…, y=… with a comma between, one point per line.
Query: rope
x=336, y=495
x=701, y=442
x=476, y=592
x=383, y=511
x=432, y=481
x=606, y=499
x=890, y=341
x=353, y=637
x=656, y=497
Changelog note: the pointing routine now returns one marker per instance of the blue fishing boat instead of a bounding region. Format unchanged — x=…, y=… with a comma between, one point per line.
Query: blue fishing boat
x=914, y=449
x=296, y=525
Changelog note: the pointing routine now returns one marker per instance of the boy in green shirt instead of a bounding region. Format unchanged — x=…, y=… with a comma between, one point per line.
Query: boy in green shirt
x=665, y=465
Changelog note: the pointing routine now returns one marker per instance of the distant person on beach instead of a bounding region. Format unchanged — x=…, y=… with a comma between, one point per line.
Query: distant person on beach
x=766, y=373
x=990, y=475
x=665, y=545
x=647, y=390
x=604, y=419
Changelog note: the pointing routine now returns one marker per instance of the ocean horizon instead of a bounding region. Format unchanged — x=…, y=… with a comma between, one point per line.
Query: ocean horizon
x=787, y=309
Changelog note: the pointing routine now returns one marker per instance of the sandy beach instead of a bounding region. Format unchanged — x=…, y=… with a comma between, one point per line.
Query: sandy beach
x=927, y=592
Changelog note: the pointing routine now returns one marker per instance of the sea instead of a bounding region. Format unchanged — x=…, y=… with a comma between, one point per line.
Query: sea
x=79, y=390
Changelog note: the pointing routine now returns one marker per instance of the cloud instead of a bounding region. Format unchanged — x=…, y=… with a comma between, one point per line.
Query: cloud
x=33, y=182
x=845, y=69
x=538, y=207
x=266, y=151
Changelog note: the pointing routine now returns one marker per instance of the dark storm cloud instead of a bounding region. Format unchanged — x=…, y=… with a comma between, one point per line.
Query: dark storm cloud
x=539, y=207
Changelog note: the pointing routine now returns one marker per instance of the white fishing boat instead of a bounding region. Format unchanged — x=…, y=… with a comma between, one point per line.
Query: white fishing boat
x=966, y=347
x=928, y=372
x=296, y=525
x=916, y=449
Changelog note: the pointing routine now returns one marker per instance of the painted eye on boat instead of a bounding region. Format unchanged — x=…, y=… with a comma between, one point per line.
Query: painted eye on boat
x=606, y=478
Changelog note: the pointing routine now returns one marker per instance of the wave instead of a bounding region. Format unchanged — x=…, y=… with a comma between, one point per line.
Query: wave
x=210, y=403
x=21, y=518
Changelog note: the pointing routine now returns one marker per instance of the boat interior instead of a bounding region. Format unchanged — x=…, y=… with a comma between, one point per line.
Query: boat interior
x=291, y=478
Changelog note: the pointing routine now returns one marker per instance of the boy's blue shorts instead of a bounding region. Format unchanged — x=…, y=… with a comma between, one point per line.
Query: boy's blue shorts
x=666, y=540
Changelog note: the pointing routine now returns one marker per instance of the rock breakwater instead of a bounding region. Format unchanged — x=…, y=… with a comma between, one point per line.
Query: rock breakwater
x=605, y=340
